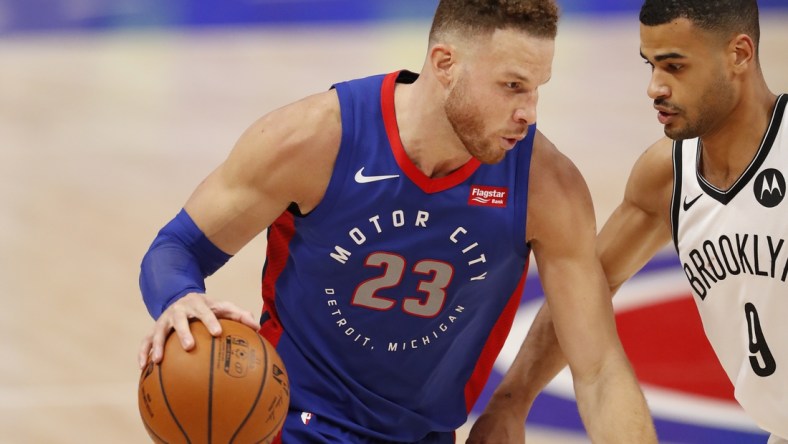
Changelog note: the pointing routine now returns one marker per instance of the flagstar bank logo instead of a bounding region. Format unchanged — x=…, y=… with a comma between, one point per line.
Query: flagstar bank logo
x=488, y=196
x=769, y=188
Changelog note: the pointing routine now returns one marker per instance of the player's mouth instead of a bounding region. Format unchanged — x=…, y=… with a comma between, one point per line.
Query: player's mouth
x=665, y=118
x=665, y=115
x=508, y=143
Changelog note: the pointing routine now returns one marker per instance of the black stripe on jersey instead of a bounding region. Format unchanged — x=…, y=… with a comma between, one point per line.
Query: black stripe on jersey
x=675, y=201
x=295, y=210
x=724, y=197
x=406, y=76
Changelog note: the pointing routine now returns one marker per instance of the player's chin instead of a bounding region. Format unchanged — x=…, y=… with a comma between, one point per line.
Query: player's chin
x=491, y=156
x=488, y=153
x=676, y=132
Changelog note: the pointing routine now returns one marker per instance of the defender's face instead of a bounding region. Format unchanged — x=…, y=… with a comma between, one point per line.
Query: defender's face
x=691, y=83
x=494, y=97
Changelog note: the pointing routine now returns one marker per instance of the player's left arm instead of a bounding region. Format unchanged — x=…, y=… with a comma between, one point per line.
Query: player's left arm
x=561, y=229
x=562, y=233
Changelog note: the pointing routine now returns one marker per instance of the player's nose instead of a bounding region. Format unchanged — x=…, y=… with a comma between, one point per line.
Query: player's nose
x=526, y=112
x=657, y=88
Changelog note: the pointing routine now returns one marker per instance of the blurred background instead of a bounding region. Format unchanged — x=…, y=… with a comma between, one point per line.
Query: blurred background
x=112, y=111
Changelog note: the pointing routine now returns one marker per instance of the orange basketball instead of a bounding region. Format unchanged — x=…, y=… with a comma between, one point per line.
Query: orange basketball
x=227, y=389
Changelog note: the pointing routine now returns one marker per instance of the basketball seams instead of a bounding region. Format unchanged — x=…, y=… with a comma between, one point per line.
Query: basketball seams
x=259, y=391
x=277, y=429
x=155, y=435
x=268, y=439
x=188, y=399
x=210, y=390
x=169, y=407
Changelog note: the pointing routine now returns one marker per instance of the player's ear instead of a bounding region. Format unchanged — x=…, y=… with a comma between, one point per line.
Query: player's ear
x=442, y=59
x=742, y=51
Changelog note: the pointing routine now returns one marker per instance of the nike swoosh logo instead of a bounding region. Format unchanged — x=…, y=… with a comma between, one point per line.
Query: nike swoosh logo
x=687, y=205
x=361, y=178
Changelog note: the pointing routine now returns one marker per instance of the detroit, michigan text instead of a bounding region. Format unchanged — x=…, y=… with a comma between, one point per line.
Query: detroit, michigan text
x=432, y=305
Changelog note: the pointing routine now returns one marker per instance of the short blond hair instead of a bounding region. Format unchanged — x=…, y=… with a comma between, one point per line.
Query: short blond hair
x=538, y=18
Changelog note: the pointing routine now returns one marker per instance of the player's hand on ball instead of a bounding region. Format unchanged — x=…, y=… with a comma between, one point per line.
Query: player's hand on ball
x=231, y=388
x=177, y=316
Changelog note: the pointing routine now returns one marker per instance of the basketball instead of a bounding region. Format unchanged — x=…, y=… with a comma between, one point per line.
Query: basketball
x=227, y=389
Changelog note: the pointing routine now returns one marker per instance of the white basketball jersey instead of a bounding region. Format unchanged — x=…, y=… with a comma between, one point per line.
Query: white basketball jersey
x=733, y=246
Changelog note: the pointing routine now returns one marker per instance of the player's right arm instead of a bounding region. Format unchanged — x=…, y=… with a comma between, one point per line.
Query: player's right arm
x=640, y=225
x=285, y=157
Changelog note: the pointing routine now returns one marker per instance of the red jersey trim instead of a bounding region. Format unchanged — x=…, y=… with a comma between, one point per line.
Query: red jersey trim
x=494, y=345
x=279, y=235
x=427, y=184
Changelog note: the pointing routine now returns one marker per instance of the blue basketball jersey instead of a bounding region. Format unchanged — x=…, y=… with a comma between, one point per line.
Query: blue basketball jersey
x=391, y=300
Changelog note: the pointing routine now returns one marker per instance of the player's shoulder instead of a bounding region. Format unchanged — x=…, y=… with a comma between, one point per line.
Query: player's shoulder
x=660, y=153
x=650, y=183
x=543, y=145
x=311, y=123
x=655, y=165
x=320, y=107
x=282, y=143
x=550, y=165
x=555, y=179
x=555, y=184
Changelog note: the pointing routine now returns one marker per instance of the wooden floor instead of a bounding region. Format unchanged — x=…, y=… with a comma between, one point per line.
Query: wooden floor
x=103, y=137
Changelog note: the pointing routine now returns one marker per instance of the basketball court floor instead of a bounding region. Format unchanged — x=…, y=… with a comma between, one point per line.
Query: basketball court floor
x=104, y=135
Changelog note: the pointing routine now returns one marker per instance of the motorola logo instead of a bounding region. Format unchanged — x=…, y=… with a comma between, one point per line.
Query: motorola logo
x=769, y=188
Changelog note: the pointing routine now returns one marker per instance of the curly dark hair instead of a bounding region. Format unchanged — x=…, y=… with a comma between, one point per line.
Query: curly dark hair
x=475, y=17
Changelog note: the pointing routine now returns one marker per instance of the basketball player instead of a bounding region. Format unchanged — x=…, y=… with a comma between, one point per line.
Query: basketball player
x=401, y=212
x=715, y=186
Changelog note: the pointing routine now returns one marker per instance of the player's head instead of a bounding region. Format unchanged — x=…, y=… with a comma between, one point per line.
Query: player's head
x=701, y=52
x=726, y=18
x=478, y=17
x=490, y=56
